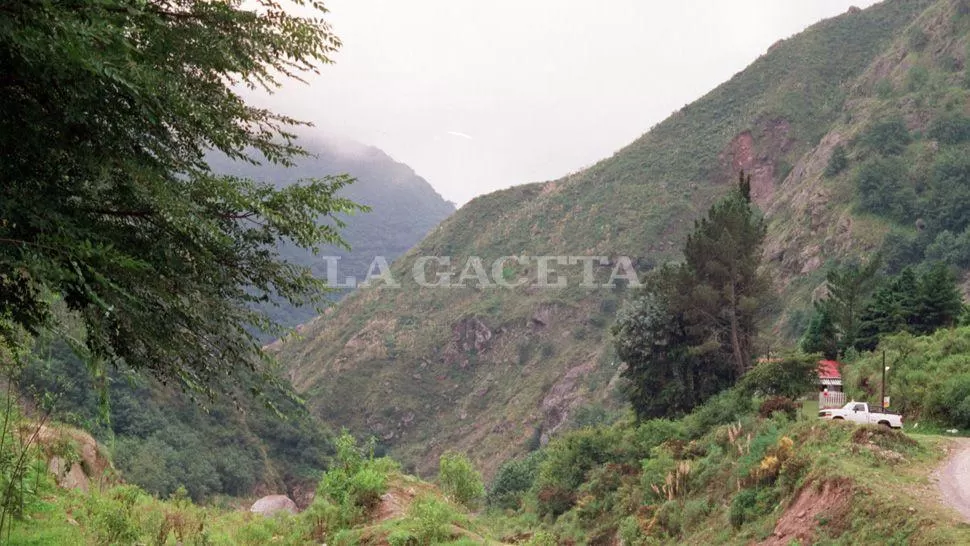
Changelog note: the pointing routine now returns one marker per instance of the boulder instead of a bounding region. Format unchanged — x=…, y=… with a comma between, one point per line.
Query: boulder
x=272, y=504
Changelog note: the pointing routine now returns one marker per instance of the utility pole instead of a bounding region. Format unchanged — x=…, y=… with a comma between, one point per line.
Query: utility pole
x=883, y=402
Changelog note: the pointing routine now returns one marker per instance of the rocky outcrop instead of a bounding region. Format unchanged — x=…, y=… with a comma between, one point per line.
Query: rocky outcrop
x=561, y=398
x=469, y=337
x=759, y=154
x=73, y=456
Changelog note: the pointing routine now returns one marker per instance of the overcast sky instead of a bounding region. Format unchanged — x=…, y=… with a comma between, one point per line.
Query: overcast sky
x=478, y=96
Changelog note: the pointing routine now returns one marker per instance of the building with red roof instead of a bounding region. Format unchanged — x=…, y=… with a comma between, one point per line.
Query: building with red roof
x=829, y=375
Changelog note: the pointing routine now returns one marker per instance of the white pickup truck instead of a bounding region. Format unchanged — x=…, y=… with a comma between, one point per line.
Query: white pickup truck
x=859, y=412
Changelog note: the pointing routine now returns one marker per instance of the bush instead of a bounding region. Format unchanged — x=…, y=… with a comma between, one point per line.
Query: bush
x=778, y=403
x=555, y=501
x=789, y=377
x=110, y=516
x=751, y=504
x=951, y=128
x=838, y=161
x=514, y=478
x=887, y=136
x=459, y=479
x=882, y=189
x=951, y=402
x=429, y=520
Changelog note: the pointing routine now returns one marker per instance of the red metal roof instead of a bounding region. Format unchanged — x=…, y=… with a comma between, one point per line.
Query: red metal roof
x=829, y=369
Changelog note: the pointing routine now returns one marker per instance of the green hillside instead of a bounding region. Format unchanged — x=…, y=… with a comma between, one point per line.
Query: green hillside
x=495, y=371
x=162, y=438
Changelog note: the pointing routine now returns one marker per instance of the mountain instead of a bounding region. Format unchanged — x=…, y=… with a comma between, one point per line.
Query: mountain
x=853, y=132
x=162, y=438
x=404, y=208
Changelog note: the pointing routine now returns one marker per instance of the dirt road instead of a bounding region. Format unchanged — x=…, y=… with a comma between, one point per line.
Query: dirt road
x=954, y=478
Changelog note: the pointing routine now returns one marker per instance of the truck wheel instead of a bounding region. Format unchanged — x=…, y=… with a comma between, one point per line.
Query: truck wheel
x=838, y=419
x=885, y=424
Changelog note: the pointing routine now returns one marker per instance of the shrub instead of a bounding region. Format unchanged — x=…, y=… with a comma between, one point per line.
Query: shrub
x=670, y=517
x=838, y=161
x=886, y=137
x=951, y=401
x=366, y=487
x=778, y=403
x=789, y=377
x=555, y=501
x=741, y=506
x=459, y=479
x=882, y=189
x=951, y=128
x=695, y=511
x=429, y=519
x=514, y=478
x=110, y=515
x=750, y=504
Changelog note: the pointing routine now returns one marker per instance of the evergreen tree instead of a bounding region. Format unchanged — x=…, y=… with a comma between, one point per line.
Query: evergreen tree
x=940, y=303
x=822, y=335
x=918, y=304
x=690, y=333
x=724, y=290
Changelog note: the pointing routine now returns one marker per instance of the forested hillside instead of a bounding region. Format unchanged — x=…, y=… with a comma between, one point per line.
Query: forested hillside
x=163, y=438
x=851, y=131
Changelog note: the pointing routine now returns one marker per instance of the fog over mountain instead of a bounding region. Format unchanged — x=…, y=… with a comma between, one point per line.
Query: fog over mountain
x=477, y=97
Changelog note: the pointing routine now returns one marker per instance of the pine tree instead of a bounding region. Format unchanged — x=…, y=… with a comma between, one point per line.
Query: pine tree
x=822, y=335
x=724, y=289
x=690, y=334
x=939, y=301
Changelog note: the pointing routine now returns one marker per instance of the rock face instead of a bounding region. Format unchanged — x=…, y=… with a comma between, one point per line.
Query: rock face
x=271, y=504
x=73, y=457
x=470, y=336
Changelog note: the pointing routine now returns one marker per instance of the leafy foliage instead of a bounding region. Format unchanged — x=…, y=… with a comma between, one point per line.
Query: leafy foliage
x=459, y=480
x=883, y=190
x=162, y=439
x=838, y=161
x=789, y=377
x=110, y=108
x=887, y=136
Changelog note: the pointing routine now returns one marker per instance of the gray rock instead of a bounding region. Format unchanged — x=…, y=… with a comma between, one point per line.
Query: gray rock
x=272, y=504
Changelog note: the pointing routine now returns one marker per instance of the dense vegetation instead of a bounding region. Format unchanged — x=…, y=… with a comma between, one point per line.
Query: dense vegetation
x=163, y=440
x=107, y=205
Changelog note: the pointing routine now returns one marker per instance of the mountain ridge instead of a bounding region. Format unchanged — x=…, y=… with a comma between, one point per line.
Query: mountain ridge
x=531, y=359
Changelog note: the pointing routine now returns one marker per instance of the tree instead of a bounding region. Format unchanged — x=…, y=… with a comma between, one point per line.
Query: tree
x=724, y=287
x=689, y=335
x=888, y=136
x=459, y=479
x=838, y=161
x=107, y=206
x=918, y=304
x=822, y=336
x=940, y=302
x=848, y=287
x=883, y=190
x=790, y=376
